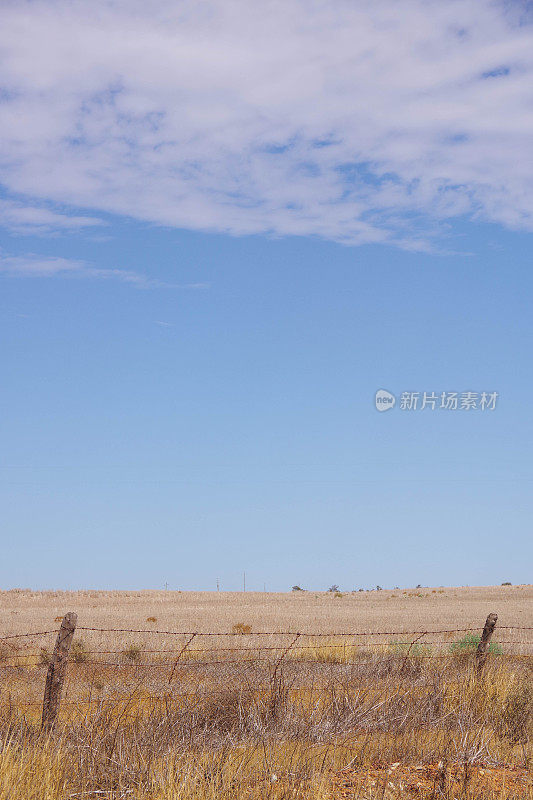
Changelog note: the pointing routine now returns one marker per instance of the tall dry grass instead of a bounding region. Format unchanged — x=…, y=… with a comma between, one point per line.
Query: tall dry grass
x=258, y=730
x=225, y=724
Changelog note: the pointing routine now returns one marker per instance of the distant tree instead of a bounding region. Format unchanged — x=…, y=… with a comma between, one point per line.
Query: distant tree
x=418, y=585
x=507, y=583
x=333, y=588
x=378, y=588
x=297, y=589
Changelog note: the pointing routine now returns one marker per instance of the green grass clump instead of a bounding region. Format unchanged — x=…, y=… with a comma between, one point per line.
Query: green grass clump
x=469, y=644
x=418, y=649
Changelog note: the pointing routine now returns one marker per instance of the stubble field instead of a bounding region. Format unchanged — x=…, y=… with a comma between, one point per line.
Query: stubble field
x=314, y=612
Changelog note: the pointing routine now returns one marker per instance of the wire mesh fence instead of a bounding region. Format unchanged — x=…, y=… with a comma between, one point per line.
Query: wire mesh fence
x=147, y=666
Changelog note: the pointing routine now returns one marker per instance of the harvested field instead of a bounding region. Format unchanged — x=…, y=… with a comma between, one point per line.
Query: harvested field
x=314, y=612
x=367, y=695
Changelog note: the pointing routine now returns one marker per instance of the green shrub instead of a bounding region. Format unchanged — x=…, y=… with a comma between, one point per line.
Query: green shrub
x=469, y=644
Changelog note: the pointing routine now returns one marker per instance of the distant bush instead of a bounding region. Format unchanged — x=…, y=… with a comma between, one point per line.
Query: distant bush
x=78, y=652
x=151, y=619
x=507, y=583
x=333, y=588
x=241, y=628
x=132, y=653
x=297, y=589
x=338, y=594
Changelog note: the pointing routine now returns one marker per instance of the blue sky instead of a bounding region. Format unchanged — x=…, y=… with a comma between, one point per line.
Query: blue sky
x=215, y=250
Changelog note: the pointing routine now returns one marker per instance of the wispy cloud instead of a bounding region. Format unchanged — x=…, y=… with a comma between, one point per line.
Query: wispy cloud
x=35, y=266
x=31, y=219
x=360, y=122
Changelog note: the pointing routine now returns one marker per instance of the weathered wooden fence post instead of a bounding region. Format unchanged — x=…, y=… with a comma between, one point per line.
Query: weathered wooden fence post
x=483, y=646
x=57, y=669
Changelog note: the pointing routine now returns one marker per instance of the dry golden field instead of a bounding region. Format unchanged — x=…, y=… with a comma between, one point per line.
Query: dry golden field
x=315, y=612
x=151, y=715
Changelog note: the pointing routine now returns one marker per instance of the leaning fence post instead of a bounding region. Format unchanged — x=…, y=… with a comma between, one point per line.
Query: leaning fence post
x=57, y=669
x=483, y=646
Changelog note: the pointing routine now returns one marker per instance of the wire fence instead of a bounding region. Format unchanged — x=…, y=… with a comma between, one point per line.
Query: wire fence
x=203, y=647
x=164, y=666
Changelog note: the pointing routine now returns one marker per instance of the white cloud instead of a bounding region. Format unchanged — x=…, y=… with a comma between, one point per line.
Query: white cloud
x=357, y=121
x=30, y=219
x=39, y=266
x=36, y=266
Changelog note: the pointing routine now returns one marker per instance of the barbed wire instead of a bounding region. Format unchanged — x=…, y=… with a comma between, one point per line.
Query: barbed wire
x=123, y=665
x=42, y=659
x=311, y=634
x=276, y=633
x=260, y=649
x=186, y=656
x=27, y=635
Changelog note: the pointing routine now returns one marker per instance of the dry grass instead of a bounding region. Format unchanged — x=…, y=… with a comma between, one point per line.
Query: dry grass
x=333, y=719
x=317, y=612
x=228, y=729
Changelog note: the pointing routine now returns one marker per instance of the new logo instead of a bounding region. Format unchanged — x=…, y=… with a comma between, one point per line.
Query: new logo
x=384, y=400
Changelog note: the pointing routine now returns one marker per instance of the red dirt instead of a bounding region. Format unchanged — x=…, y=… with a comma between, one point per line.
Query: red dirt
x=434, y=781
